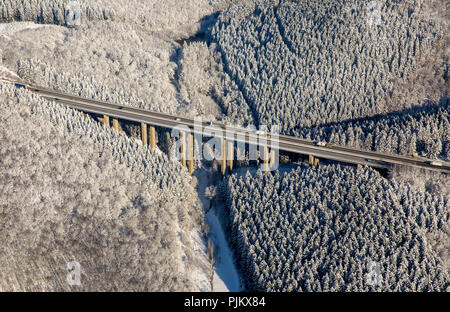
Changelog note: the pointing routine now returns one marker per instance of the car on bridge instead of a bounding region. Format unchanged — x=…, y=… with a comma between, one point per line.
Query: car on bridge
x=320, y=143
x=434, y=163
x=262, y=132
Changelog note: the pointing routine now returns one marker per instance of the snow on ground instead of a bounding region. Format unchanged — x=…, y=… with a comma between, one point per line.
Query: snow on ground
x=226, y=277
x=8, y=29
x=200, y=273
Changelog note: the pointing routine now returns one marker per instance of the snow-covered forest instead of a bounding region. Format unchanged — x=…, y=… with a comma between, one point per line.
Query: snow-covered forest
x=307, y=63
x=425, y=130
x=73, y=189
x=321, y=72
x=120, y=61
x=150, y=14
x=143, y=198
x=317, y=230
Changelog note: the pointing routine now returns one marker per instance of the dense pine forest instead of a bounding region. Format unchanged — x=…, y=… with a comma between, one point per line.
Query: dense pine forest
x=306, y=63
x=322, y=72
x=372, y=75
x=318, y=230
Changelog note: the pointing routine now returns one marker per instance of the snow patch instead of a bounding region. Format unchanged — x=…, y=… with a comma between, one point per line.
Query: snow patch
x=225, y=273
x=9, y=29
x=225, y=277
x=7, y=74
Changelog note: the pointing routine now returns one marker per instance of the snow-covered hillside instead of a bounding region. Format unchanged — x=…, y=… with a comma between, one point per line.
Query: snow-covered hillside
x=73, y=190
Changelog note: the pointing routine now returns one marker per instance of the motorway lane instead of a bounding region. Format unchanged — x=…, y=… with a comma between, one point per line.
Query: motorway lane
x=285, y=143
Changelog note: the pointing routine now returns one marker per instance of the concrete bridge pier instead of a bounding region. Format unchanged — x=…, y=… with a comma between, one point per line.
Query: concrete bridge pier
x=152, y=137
x=224, y=157
x=190, y=153
x=230, y=154
x=183, y=148
x=144, y=133
x=115, y=123
x=106, y=120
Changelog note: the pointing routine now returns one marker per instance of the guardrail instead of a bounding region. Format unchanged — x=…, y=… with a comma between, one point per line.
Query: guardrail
x=231, y=134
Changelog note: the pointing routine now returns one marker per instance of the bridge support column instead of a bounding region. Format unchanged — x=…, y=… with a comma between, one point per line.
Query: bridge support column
x=266, y=158
x=190, y=153
x=316, y=162
x=115, y=123
x=106, y=120
x=183, y=148
x=224, y=157
x=152, y=137
x=230, y=153
x=144, y=133
x=311, y=160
